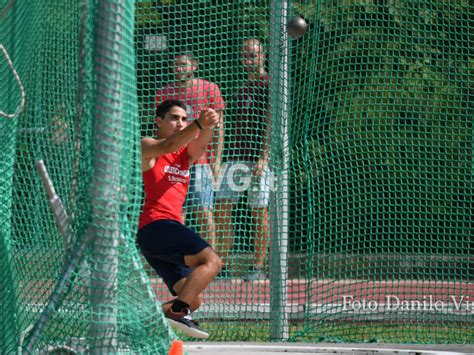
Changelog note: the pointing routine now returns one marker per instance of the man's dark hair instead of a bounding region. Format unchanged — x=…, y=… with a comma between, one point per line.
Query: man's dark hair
x=166, y=105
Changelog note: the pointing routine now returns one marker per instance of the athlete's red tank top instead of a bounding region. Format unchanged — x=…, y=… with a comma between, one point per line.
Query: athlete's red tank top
x=166, y=186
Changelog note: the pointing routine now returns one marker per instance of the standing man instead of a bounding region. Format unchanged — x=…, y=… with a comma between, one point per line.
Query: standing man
x=181, y=257
x=248, y=156
x=198, y=94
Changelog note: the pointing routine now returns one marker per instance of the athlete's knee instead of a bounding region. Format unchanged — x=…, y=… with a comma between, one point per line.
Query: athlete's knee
x=219, y=264
x=207, y=257
x=214, y=262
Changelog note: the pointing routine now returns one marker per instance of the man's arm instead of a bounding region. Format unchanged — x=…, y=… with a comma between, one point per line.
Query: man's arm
x=218, y=145
x=262, y=161
x=153, y=148
x=198, y=146
x=208, y=120
x=266, y=136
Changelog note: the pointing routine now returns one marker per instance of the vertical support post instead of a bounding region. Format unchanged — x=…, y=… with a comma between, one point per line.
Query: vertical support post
x=106, y=192
x=8, y=328
x=9, y=332
x=278, y=73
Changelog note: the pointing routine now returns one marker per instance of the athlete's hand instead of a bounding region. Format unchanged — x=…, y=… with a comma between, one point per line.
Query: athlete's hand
x=208, y=118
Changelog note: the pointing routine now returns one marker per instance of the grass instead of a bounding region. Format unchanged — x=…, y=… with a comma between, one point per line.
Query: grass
x=345, y=332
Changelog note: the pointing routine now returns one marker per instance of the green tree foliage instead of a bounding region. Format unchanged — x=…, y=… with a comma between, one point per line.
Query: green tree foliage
x=388, y=152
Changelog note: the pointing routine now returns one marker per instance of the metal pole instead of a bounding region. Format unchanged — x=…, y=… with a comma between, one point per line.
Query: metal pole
x=107, y=190
x=9, y=331
x=278, y=73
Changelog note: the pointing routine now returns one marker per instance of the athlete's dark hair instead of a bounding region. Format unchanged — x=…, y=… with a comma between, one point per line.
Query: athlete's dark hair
x=166, y=105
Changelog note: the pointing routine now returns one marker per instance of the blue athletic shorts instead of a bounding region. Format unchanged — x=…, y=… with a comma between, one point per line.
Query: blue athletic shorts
x=164, y=244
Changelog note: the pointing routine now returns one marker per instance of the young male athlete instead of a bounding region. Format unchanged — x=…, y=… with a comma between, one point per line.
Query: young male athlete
x=182, y=258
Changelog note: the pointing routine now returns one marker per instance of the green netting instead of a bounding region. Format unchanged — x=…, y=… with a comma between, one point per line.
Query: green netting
x=370, y=146
x=361, y=230
x=78, y=282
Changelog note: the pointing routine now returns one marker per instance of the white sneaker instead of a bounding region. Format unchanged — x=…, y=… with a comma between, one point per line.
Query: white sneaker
x=183, y=321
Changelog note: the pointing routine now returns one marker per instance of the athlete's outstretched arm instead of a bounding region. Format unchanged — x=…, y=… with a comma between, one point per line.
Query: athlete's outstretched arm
x=153, y=148
x=199, y=145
